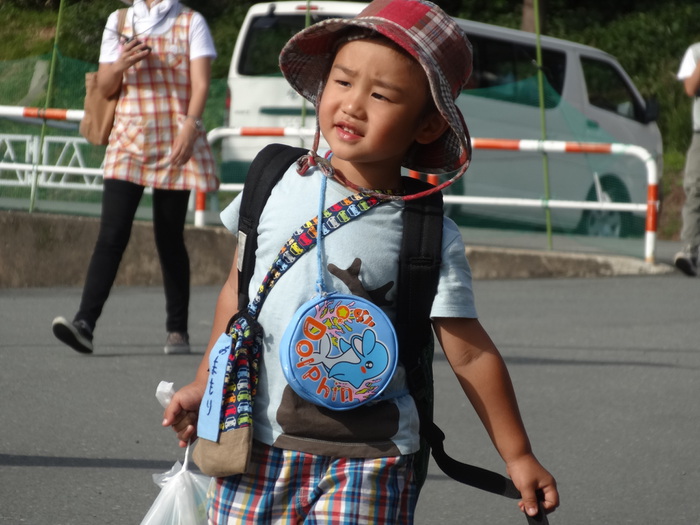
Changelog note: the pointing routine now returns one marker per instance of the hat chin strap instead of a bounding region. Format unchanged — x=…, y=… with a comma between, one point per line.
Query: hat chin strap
x=440, y=186
x=312, y=158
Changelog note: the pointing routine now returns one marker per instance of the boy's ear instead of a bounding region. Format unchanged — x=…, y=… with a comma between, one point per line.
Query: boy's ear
x=431, y=128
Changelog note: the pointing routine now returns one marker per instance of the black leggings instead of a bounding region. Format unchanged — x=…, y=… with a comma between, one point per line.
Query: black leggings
x=120, y=200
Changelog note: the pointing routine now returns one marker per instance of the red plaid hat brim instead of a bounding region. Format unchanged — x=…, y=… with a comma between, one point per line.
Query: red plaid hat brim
x=424, y=31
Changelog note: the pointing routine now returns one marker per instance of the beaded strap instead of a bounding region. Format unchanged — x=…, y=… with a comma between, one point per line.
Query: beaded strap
x=305, y=237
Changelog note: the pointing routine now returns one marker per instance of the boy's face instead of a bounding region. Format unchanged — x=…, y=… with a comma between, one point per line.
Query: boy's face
x=373, y=106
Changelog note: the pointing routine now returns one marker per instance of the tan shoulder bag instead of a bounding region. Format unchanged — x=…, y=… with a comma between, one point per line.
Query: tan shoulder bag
x=98, y=120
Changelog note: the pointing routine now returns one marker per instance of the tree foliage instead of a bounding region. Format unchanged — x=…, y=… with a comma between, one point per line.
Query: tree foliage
x=648, y=37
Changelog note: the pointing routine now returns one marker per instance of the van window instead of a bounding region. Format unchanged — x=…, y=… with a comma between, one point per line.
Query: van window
x=266, y=37
x=607, y=89
x=508, y=71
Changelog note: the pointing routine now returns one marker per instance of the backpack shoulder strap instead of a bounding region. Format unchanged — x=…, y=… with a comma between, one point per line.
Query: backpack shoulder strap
x=265, y=171
x=419, y=273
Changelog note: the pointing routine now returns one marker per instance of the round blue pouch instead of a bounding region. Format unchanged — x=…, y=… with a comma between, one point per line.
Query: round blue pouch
x=339, y=351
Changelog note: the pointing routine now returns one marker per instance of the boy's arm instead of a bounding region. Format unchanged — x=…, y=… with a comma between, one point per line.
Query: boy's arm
x=483, y=375
x=182, y=412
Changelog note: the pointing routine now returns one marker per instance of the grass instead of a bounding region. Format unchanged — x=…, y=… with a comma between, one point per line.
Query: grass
x=26, y=32
x=672, y=196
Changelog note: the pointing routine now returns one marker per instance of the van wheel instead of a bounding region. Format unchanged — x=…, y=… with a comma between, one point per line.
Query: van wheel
x=607, y=223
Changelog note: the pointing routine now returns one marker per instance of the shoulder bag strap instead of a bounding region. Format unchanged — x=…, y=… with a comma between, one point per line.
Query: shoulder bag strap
x=121, y=18
x=306, y=237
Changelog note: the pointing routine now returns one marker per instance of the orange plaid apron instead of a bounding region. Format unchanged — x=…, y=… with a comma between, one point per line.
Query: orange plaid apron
x=151, y=110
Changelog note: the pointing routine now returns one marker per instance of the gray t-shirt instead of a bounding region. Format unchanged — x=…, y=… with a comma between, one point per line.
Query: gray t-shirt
x=283, y=419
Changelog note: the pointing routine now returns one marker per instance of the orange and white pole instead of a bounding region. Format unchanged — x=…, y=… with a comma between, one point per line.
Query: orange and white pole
x=200, y=208
x=74, y=115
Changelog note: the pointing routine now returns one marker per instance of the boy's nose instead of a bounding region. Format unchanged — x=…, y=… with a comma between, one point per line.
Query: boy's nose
x=352, y=106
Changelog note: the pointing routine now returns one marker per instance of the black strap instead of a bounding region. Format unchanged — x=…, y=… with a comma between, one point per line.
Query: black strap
x=419, y=273
x=265, y=171
x=474, y=476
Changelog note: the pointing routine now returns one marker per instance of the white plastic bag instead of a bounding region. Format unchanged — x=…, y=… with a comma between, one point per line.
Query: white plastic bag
x=182, y=499
x=183, y=494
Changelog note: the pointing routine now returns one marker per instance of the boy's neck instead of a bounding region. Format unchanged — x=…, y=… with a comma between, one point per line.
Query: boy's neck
x=370, y=175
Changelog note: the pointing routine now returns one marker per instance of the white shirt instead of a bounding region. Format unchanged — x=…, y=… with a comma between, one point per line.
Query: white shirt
x=686, y=69
x=157, y=21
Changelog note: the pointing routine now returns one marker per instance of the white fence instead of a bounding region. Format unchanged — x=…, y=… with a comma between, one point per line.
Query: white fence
x=59, y=162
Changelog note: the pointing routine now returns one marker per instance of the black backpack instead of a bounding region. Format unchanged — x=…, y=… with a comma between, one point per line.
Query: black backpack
x=419, y=267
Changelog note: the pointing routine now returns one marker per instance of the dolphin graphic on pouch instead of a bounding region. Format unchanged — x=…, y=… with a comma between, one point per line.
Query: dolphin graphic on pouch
x=362, y=359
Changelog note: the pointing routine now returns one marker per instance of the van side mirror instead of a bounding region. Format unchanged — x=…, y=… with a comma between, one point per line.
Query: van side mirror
x=650, y=111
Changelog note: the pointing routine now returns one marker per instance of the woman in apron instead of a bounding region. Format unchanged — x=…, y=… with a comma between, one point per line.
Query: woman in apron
x=160, y=62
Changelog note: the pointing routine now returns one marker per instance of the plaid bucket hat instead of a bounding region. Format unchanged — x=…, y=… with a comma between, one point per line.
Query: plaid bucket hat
x=424, y=31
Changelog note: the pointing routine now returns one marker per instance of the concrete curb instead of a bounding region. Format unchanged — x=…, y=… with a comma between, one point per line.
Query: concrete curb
x=513, y=263
x=40, y=250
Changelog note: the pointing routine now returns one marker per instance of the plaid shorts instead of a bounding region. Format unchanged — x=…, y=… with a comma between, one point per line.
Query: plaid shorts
x=288, y=487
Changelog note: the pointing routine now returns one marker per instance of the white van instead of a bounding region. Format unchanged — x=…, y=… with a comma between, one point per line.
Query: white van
x=258, y=95
x=588, y=97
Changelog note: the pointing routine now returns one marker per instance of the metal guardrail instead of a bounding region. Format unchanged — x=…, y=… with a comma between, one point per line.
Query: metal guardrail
x=60, y=162
x=68, y=170
x=651, y=207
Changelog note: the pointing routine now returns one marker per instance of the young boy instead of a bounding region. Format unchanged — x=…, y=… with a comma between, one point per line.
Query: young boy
x=384, y=85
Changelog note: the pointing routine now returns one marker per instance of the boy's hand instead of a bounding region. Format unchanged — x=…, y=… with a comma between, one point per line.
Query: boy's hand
x=531, y=478
x=182, y=412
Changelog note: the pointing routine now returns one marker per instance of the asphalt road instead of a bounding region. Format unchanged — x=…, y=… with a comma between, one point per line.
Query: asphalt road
x=607, y=372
